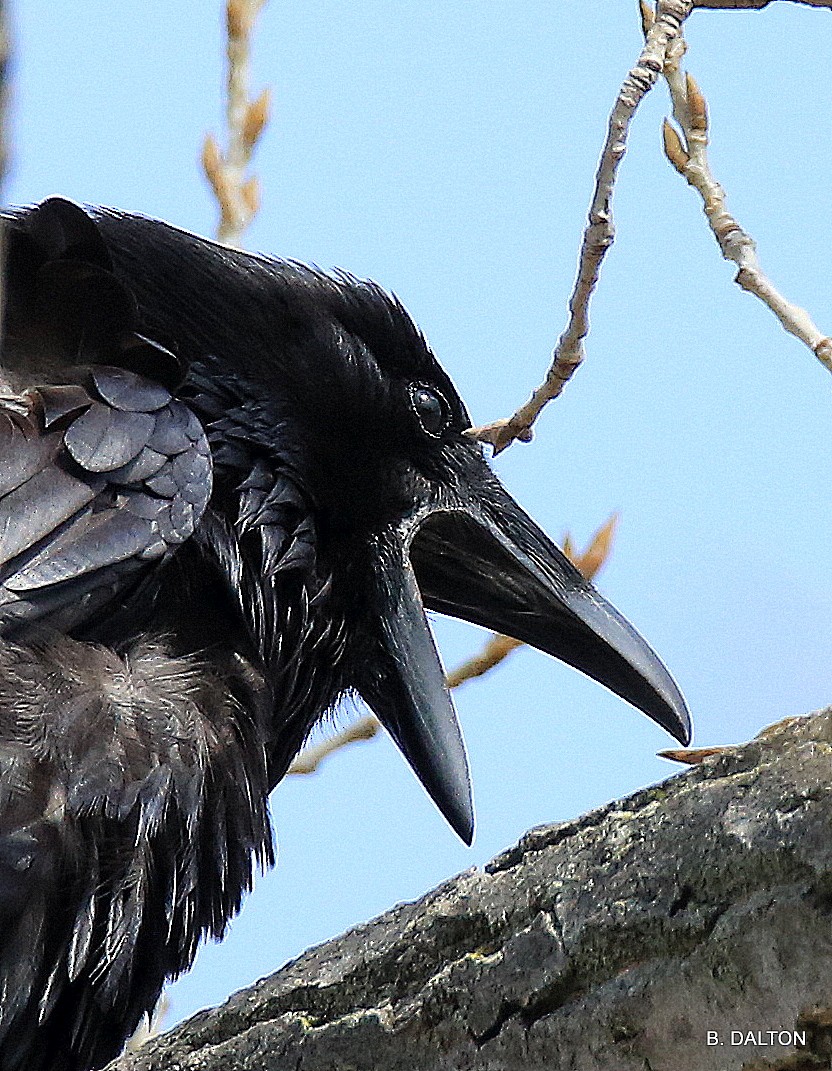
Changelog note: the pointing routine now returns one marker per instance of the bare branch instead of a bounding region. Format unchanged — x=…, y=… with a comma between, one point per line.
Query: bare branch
x=689, y=156
x=493, y=653
x=600, y=231
x=661, y=31
x=238, y=195
x=754, y=5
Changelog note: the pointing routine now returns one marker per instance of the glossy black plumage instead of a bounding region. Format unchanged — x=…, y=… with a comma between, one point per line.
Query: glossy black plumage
x=229, y=487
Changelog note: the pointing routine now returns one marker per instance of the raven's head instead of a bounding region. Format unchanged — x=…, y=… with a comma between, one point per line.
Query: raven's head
x=329, y=378
x=410, y=506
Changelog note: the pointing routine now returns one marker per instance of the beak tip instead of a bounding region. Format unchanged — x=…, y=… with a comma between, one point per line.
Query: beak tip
x=685, y=734
x=461, y=820
x=677, y=720
x=451, y=792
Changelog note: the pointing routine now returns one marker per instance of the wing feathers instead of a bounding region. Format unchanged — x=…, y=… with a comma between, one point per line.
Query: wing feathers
x=38, y=507
x=86, y=503
x=58, y=402
x=103, y=439
x=129, y=392
x=91, y=542
x=23, y=450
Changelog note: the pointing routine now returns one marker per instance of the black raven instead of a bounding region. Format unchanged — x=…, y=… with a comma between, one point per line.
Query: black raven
x=229, y=487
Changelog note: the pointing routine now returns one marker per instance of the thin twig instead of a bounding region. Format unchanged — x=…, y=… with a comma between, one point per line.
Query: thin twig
x=310, y=758
x=688, y=153
x=492, y=654
x=237, y=193
x=495, y=651
x=753, y=5
x=600, y=231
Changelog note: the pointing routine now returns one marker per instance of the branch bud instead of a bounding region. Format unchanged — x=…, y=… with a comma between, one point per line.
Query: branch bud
x=240, y=16
x=598, y=550
x=211, y=159
x=697, y=105
x=673, y=148
x=648, y=16
x=257, y=115
x=250, y=194
x=238, y=19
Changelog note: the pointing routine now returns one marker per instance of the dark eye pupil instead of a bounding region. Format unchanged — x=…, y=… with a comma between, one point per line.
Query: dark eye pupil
x=430, y=410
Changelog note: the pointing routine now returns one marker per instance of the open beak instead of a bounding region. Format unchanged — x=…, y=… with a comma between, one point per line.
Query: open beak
x=478, y=556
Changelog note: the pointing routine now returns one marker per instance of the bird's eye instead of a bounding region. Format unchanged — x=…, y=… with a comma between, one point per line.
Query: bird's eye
x=430, y=408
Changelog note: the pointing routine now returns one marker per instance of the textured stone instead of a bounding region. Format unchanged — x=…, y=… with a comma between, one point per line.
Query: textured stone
x=614, y=942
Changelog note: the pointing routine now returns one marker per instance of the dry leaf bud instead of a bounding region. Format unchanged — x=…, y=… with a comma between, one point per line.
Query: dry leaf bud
x=673, y=148
x=211, y=158
x=250, y=193
x=648, y=17
x=257, y=115
x=599, y=549
x=238, y=18
x=697, y=105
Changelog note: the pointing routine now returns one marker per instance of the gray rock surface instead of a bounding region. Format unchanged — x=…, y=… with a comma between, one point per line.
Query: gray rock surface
x=614, y=942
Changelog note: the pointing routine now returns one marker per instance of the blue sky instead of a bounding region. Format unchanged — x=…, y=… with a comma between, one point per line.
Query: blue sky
x=447, y=149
